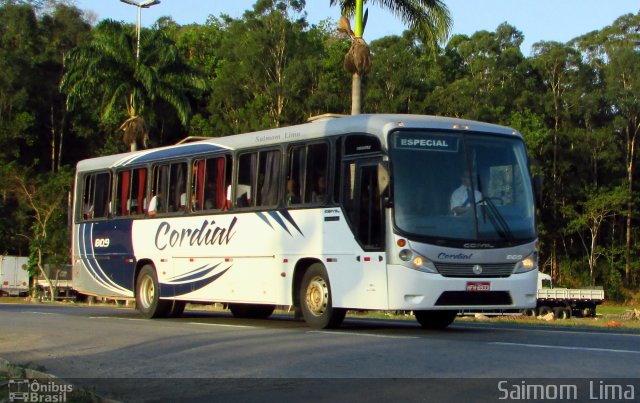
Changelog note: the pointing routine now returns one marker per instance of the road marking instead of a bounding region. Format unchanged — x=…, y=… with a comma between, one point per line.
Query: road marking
x=111, y=317
x=606, y=350
x=220, y=325
x=590, y=331
x=382, y=336
x=44, y=313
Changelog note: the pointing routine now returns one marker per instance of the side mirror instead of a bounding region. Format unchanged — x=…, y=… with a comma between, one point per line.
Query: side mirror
x=384, y=180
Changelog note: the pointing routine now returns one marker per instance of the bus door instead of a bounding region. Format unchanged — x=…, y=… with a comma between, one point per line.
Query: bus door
x=363, y=206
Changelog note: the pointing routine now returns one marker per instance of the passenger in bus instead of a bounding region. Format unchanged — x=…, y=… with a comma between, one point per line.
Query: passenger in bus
x=210, y=199
x=319, y=194
x=462, y=199
x=87, y=211
x=293, y=194
x=155, y=205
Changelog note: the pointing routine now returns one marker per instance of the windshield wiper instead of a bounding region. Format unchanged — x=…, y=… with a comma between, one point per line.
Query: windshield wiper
x=497, y=220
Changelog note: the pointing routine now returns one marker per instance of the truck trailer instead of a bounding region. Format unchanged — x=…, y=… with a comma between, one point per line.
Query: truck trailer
x=14, y=278
x=565, y=302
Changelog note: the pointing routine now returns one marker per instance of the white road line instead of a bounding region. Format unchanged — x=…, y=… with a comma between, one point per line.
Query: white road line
x=44, y=313
x=590, y=331
x=111, y=317
x=220, y=325
x=606, y=350
x=382, y=336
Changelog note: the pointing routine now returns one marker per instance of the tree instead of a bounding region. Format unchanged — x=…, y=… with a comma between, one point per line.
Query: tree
x=590, y=215
x=43, y=198
x=428, y=18
x=130, y=89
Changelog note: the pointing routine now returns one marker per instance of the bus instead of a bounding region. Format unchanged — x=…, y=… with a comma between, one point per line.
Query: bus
x=338, y=214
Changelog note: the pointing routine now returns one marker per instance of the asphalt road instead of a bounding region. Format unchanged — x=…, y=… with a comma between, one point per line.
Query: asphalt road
x=210, y=354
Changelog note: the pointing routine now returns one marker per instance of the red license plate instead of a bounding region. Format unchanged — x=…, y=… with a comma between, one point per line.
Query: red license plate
x=475, y=286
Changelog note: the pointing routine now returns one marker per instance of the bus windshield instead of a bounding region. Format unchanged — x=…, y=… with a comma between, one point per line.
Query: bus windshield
x=461, y=187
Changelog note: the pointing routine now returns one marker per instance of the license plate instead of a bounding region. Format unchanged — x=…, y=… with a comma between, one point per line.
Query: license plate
x=476, y=286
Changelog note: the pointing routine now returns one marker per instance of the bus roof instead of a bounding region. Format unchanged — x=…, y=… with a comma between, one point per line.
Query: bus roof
x=375, y=124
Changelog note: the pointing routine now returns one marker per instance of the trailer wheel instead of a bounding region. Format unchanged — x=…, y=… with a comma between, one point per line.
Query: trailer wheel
x=543, y=310
x=435, y=319
x=561, y=313
x=148, y=301
x=315, y=300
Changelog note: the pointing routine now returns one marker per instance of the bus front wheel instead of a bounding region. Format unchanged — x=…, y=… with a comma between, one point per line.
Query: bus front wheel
x=435, y=319
x=315, y=300
x=148, y=301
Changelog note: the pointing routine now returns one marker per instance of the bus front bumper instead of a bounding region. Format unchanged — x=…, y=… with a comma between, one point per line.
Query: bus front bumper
x=415, y=290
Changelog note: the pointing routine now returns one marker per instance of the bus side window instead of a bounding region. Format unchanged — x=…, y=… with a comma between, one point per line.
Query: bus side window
x=96, y=196
x=307, y=174
x=247, y=170
x=130, y=192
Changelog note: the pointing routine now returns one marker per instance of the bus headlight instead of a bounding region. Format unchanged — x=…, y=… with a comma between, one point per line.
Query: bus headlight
x=405, y=255
x=423, y=264
x=527, y=264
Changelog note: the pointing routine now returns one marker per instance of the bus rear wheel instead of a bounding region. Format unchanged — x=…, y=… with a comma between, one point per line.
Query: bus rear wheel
x=315, y=300
x=148, y=301
x=435, y=319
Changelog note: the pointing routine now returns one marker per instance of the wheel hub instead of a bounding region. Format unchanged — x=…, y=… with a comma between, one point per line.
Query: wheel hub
x=317, y=296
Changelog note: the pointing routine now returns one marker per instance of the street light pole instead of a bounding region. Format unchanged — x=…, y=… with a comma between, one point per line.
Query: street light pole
x=140, y=6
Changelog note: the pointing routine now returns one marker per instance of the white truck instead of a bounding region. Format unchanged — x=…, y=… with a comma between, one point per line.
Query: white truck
x=565, y=302
x=14, y=278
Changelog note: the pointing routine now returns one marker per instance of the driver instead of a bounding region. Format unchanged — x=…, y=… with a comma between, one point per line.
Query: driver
x=462, y=199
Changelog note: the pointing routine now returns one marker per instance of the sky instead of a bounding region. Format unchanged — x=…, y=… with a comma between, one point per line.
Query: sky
x=548, y=20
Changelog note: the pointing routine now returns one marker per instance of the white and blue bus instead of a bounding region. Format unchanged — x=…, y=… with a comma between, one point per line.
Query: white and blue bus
x=363, y=212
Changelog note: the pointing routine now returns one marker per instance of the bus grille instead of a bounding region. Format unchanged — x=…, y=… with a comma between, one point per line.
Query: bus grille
x=465, y=298
x=466, y=270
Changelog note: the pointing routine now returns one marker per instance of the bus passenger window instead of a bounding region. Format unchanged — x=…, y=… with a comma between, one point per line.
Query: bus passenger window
x=258, y=179
x=169, y=189
x=130, y=192
x=96, y=196
x=307, y=174
x=210, y=179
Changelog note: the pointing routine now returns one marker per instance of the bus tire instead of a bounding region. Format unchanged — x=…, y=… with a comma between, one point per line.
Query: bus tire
x=315, y=300
x=251, y=311
x=435, y=319
x=148, y=301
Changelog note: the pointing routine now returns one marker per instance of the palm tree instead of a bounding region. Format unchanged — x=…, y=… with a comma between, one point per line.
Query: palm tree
x=428, y=18
x=106, y=68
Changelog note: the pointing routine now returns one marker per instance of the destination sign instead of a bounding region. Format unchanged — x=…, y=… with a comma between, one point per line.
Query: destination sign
x=428, y=143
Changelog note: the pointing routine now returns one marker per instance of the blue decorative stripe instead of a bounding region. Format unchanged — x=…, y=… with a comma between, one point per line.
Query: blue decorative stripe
x=178, y=277
x=287, y=216
x=278, y=219
x=194, y=274
x=176, y=290
x=265, y=219
x=90, y=262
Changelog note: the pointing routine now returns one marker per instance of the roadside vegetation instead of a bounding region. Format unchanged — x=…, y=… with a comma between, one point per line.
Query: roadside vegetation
x=69, y=83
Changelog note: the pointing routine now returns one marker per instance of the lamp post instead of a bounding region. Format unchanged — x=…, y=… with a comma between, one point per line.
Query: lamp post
x=140, y=5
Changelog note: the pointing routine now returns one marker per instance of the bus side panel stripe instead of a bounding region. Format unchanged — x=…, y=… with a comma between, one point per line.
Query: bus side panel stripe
x=196, y=274
x=278, y=219
x=175, y=290
x=265, y=219
x=287, y=216
x=92, y=264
